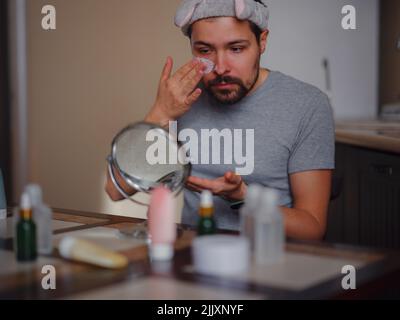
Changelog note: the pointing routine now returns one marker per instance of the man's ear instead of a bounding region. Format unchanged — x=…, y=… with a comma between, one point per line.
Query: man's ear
x=263, y=41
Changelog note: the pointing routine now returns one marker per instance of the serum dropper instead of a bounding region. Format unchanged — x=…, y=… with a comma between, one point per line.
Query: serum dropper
x=206, y=224
x=26, y=231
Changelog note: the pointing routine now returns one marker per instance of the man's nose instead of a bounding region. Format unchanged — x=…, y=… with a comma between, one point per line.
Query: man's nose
x=221, y=65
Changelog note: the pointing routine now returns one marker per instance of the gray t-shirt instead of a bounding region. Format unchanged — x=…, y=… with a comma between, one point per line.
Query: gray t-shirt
x=293, y=131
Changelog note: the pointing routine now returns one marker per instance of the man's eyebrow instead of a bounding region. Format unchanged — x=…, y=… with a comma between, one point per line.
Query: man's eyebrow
x=199, y=43
x=239, y=42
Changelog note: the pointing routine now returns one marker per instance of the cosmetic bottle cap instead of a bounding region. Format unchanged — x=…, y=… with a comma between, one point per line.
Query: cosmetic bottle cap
x=270, y=197
x=35, y=193
x=206, y=199
x=25, y=202
x=65, y=246
x=161, y=251
x=253, y=195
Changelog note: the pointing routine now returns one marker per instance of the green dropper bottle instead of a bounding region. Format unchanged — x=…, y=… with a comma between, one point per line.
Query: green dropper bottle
x=206, y=224
x=26, y=231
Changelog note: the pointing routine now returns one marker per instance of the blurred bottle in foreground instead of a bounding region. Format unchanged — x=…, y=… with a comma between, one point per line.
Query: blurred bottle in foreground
x=248, y=212
x=269, y=237
x=26, y=232
x=206, y=224
x=43, y=217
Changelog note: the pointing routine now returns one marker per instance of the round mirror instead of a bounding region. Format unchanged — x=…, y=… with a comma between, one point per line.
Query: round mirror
x=145, y=155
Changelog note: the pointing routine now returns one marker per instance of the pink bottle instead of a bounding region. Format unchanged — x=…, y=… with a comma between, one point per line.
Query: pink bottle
x=162, y=226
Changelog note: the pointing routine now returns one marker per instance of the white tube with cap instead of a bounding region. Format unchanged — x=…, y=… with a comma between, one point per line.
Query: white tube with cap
x=88, y=252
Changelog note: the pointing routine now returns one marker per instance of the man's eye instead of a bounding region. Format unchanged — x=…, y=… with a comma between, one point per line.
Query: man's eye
x=204, y=50
x=237, y=49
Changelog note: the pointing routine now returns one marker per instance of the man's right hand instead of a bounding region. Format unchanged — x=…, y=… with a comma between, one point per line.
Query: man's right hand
x=175, y=96
x=176, y=93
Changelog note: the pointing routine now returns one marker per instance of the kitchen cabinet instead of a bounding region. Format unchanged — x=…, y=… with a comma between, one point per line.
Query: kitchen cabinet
x=389, y=52
x=367, y=211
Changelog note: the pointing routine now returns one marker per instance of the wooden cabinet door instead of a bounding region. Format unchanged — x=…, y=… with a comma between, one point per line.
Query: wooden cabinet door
x=367, y=211
x=343, y=216
x=390, y=52
x=379, y=185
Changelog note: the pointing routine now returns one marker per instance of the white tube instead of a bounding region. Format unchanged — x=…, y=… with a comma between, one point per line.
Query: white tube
x=88, y=252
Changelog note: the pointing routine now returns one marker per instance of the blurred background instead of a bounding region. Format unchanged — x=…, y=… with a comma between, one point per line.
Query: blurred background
x=65, y=93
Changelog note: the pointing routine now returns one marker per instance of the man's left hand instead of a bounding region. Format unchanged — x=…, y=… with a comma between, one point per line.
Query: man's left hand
x=230, y=186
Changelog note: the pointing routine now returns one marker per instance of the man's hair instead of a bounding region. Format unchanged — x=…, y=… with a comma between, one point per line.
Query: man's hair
x=254, y=28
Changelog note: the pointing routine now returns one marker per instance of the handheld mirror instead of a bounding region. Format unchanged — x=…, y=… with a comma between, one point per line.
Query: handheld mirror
x=145, y=155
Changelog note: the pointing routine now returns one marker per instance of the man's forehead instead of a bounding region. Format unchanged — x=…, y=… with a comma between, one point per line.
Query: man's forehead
x=221, y=29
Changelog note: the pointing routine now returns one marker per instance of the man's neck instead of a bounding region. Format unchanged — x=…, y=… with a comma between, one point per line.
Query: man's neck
x=262, y=77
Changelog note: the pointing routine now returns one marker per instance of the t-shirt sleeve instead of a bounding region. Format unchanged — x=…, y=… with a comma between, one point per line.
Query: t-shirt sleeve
x=314, y=146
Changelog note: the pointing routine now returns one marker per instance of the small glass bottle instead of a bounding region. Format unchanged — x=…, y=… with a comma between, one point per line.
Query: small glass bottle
x=206, y=224
x=269, y=230
x=26, y=232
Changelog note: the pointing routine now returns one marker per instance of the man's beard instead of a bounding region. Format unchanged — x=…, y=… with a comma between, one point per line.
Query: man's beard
x=230, y=96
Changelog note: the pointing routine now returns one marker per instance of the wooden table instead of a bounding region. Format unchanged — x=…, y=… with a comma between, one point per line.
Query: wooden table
x=309, y=270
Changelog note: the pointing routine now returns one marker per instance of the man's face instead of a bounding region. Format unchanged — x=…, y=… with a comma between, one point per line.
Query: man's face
x=233, y=47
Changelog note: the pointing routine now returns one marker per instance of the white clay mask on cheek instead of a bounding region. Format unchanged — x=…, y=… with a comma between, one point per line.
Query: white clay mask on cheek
x=208, y=63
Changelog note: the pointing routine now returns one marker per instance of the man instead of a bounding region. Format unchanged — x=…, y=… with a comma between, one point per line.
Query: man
x=292, y=121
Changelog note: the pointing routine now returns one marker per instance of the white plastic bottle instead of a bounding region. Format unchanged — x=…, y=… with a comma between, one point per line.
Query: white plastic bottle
x=248, y=211
x=43, y=216
x=3, y=204
x=269, y=229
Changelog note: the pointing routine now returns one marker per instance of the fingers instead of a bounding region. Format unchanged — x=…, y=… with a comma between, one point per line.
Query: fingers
x=230, y=186
x=193, y=97
x=194, y=188
x=230, y=177
x=189, y=83
x=166, y=73
x=184, y=70
x=200, y=182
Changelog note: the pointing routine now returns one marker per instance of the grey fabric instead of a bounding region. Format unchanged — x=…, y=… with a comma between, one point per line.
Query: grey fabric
x=190, y=11
x=294, y=131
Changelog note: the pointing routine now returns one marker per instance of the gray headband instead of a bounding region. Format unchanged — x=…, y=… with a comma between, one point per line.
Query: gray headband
x=190, y=11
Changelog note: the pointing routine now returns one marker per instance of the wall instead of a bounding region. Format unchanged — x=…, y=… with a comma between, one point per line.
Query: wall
x=97, y=72
x=5, y=159
x=304, y=32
